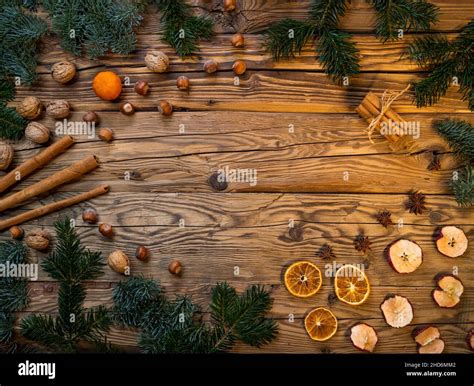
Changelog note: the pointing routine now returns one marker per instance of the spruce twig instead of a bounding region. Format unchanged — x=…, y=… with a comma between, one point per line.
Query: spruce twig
x=460, y=137
x=463, y=187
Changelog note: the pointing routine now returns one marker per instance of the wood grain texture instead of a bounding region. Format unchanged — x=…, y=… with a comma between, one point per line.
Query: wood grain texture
x=158, y=169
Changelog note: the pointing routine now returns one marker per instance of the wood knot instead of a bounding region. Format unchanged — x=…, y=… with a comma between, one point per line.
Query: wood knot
x=216, y=183
x=296, y=233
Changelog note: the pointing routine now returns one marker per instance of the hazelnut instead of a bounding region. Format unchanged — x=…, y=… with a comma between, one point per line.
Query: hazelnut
x=106, y=134
x=91, y=116
x=16, y=232
x=141, y=253
x=106, y=230
x=142, y=87
x=239, y=67
x=38, y=239
x=89, y=215
x=157, y=61
x=230, y=5
x=210, y=66
x=238, y=40
x=58, y=109
x=183, y=83
x=175, y=267
x=127, y=108
x=119, y=262
x=63, y=72
x=165, y=108
x=30, y=108
x=37, y=133
x=6, y=156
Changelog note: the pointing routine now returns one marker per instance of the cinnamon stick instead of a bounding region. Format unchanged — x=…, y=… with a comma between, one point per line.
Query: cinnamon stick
x=69, y=174
x=50, y=208
x=38, y=161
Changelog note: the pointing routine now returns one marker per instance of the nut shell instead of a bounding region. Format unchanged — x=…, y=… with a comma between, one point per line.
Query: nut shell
x=141, y=253
x=89, y=216
x=63, y=72
x=165, y=108
x=38, y=239
x=238, y=40
x=16, y=232
x=118, y=261
x=182, y=83
x=230, y=5
x=210, y=66
x=106, y=230
x=127, y=108
x=106, y=134
x=175, y=267
x=142, y=87
x=6, y=156
x=239, y=67
x=91, y=116
x=30, y=107
x=37, y=133
x=157, y=61
x=58, y=109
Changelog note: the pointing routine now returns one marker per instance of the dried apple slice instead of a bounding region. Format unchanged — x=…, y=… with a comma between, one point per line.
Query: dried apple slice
x=434, y=347
x=404, y=256
x=397, y=311
x=449, y=291
x=451, y=241
x=364, y=337
x=425, y=335
x=470, y=339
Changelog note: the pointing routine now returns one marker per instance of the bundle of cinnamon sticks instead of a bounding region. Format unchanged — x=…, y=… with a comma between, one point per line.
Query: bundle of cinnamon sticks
x=69, y=174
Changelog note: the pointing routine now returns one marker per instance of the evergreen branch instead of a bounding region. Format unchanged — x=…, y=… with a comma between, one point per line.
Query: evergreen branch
x=46, y=331
x=7, y=323
x=326, y=13
x=463, y=187
x=7, y=91
x=460, y=137
x=337, y=54
x=288, y=37
x=182, y=30
x=406, y=15
x=430, y=50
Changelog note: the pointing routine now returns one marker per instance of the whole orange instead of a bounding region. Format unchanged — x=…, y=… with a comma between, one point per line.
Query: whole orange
x=107, y=85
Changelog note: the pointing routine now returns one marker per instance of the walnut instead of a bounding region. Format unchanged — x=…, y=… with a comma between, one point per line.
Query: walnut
x=63, y=72
x=157, y=61
x=119, y=262
x=6, y=156
x=38, y=239
x=37, y=133
x=58, y=109
x=30, y=107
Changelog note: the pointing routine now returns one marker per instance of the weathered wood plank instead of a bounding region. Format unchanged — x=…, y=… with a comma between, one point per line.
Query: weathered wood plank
x=374, y=55
x=210, y=254
x=255, y=16
x=260, y=210
x=266, y=91
x=295, y=169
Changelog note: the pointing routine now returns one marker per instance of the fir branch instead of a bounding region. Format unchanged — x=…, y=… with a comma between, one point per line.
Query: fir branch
x=446, y=62
x=70, y=263
x=182, y=30
x=326, y=13
x=95, y=27
x=463, y=187
x=175, y=326
x=337, y=54
x=460, y=137
x=12, y=124
x=7, y=90
x=287, y=38
x=406, y=15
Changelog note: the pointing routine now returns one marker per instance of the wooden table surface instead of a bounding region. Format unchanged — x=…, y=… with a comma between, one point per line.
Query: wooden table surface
x=300, y=175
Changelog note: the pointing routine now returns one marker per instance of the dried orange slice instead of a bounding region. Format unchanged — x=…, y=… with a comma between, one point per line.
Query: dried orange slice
x=321, y=324
x=351, y=285
x=303, y=279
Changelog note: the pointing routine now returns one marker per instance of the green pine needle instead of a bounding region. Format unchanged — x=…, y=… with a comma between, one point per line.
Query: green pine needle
x=288, y=37
x=463, y=187
x=326, y=13
x=176, y=326
x=405, y=15
x=70, y=263
x=182, y=30
x=460, y=137
x=447, y=62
